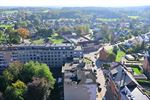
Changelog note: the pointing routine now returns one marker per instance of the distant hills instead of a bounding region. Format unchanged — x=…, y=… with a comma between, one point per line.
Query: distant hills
x=78, y=12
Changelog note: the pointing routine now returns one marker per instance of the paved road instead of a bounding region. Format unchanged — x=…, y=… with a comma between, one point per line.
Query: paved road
x=101, y=80
x=100, y=74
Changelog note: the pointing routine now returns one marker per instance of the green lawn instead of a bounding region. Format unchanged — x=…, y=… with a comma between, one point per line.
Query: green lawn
x=55, y=35
x=39, y=41
x=119, y=55
x=136, y=71
x=134, y=17
x=10, y=11
x=6, y=26
x=144, y=81
x=56, y=39
x=110, y=50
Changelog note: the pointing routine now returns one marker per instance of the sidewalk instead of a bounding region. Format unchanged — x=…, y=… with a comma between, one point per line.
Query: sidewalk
x=101, y=80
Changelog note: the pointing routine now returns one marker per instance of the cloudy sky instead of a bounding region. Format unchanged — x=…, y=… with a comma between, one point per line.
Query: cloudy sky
x=79, y=3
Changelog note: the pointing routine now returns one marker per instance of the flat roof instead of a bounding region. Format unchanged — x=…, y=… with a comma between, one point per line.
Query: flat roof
x=78, y=48
x=79, y=76
x=76, y=74
x=32, y=46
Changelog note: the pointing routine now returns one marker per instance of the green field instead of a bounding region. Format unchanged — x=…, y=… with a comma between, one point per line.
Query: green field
x=56, y=39
x=134, y=17
x=144, y=81
x=110, y=50
x=39, y=41
x=136, y=71
x=119, y=56
x=10, y=11
x=6, y=26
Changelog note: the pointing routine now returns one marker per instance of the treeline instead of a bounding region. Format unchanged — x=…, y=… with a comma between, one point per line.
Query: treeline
x=78, y=12
x=13, y=36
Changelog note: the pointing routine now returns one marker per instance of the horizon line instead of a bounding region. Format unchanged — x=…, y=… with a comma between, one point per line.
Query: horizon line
x=44, y=6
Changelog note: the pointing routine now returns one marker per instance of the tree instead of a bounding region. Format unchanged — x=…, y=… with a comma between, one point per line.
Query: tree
x=130, y=50
x=111, y=57
x=115, y=49
x=8, y=76
x=15, y=91
x=38, y=89
x=82, y=29
x=36, y=75
x=104, y=28
x=12, y=36
x=143, y=46
x=1, y=36
x=29, y=70
x=35, y=69
x=107, y=33
x=8, y=31
x=3, y=84
x=23, y=32
x=12, y=73
x=44, y=32
x=64, y=30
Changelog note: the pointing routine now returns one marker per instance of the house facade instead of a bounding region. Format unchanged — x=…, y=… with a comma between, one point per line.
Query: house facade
x=79, y=83
x=121, y=85
x=146, y=64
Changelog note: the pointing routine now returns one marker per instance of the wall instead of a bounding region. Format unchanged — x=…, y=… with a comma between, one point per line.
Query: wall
x=146, y=67
x=80, y=92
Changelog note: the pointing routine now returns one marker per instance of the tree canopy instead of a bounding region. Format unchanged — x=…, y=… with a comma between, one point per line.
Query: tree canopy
x=19, y=80
x=23, y=32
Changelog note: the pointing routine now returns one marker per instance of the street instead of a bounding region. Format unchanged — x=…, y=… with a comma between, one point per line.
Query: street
x=100, y=74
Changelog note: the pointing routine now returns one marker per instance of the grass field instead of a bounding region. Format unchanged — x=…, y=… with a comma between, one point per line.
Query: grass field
x=56, y=39
x=144, y=81
x=6, y=26
x=10, y=11
x=119, y=55
x=134, y=17
x=110, y=50
x=39, y=41
x=136, y=71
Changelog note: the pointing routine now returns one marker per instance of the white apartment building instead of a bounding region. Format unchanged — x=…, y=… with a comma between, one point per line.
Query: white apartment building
x=54, y=55
x=78, y=83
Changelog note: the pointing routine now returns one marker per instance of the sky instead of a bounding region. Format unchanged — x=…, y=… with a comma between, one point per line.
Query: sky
x=74, y=3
